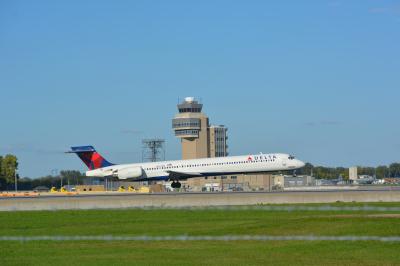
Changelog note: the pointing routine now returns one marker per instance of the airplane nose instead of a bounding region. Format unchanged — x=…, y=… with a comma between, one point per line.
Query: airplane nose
x=301, y=164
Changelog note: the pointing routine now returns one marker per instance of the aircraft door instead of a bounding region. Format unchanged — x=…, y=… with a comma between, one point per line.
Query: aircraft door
x=284, y=161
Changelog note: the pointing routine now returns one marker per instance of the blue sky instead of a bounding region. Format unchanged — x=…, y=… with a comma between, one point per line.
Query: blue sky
x=319, y=79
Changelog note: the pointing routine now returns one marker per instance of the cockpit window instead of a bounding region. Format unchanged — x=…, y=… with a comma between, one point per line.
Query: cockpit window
x=291, y=157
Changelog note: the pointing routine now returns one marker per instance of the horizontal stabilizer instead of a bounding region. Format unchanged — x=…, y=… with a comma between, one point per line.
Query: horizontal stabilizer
x=80, y=149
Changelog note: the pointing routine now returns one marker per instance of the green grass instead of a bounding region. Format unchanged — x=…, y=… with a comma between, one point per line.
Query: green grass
x=199, y=222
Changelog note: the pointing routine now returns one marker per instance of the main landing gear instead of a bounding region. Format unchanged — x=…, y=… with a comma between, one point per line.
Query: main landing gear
x=176, y=184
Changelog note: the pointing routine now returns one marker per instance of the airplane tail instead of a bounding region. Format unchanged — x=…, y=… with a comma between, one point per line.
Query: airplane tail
x=90, y=157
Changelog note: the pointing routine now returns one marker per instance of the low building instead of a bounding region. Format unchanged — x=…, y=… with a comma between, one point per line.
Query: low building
x=392, y=180
x=326, y=182
x=260, y=182
x=299, y=181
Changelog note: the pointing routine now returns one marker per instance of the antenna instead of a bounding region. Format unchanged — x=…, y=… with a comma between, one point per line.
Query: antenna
x=153, y=150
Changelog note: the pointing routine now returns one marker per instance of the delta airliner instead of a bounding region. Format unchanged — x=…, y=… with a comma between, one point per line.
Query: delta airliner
x=184, y=169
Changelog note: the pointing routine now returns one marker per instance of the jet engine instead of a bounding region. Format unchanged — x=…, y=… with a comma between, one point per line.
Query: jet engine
x=129, y=172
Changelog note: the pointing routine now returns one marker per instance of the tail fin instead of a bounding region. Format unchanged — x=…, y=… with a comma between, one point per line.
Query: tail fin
x=90, y=157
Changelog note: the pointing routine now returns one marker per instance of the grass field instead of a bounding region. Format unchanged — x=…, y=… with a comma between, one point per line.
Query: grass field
x=199, y=223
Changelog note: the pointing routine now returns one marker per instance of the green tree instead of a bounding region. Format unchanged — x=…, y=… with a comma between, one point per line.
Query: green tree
x=394, y=169
x=325, y=172
x=9, y=165
x=306, y=170
x=47, y=181
x=2, y=179
x=343, y=172
x=382, y=171
x=75, y=177
x=366, y=171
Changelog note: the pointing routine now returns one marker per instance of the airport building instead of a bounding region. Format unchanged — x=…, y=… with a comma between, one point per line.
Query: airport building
x=297, y=181
x=353, y=175
x=259, y=182
x=218, y=138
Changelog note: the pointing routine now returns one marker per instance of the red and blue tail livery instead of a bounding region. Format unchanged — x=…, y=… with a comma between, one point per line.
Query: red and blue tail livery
x=90, y=157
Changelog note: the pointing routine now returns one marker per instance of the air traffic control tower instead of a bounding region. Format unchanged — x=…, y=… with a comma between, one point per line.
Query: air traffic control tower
x=191, y=125
x=198, y=138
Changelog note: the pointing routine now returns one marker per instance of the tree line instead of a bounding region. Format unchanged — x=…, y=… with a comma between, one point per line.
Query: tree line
x=9, y=165
x=8, y=173
x=65, y=177
x=380, y=172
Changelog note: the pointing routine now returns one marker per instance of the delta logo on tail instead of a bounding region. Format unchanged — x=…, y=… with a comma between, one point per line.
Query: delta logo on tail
x=90, y=157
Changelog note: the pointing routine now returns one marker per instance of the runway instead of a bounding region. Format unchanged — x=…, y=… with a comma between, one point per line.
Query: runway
x=115, y=200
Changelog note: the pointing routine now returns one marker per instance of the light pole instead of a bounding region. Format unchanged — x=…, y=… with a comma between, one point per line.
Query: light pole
x=54, y=173
x=269, y=183
x=16, y=182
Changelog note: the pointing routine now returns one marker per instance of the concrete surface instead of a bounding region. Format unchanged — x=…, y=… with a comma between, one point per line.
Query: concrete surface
x=131, y=200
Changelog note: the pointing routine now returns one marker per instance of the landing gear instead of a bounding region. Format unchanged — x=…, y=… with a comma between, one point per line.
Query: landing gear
x=176, y=184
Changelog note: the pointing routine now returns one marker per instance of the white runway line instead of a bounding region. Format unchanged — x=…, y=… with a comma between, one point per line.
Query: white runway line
x=202, y=238
x=365, y=208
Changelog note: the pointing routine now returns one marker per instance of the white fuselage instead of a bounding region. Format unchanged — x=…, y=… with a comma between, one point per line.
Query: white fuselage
x=258, y=163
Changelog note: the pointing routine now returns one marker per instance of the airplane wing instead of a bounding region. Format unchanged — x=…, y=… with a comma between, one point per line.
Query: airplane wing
x=182, y=175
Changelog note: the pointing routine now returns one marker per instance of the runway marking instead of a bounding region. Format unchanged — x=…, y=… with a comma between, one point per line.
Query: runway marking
x=202, y=238
x=119, y=194
x=288, y=208
x=365, y=208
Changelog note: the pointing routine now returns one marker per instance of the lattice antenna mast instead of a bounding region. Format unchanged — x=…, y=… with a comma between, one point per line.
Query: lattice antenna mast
x=153, y=150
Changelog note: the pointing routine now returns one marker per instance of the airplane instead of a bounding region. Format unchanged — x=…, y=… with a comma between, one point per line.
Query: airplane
x=183, y=169
x=365, y=180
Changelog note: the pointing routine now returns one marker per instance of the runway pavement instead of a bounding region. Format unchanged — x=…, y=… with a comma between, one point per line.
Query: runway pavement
x=115, y=200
